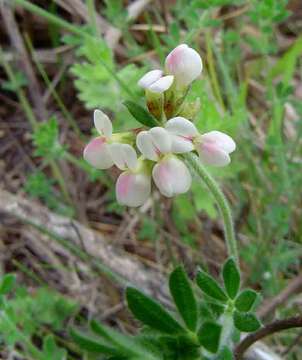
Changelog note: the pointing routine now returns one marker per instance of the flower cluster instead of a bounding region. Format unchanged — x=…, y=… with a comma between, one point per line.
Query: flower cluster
x=159, y=146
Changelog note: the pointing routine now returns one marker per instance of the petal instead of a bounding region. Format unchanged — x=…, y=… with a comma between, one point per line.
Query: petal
x=184, y=63
x=102, y=123
x=96, y=153
x=153, y=143
x=162, y=84
x=223, y=141
x=182, y=133
x=133, y=189
x=212, y=155
x=123, y=156
x=171, y=176
x=150, y=78
x=146, y=147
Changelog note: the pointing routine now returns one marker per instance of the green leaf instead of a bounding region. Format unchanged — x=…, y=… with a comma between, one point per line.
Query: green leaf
x=225, y=354
x=92, y=345
x=245, y=300
x=140, y=114
x=127, y=344
x=183, y=296
x=210, y=286
x=151, y=312
x=209, y=336
x=246, y=322
x=7, y=283
x=231, y=278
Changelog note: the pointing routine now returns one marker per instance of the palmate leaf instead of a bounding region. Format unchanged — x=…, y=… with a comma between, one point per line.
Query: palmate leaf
x=231, y=278
x=210, y=286
x=151, y=313
x=183, y=296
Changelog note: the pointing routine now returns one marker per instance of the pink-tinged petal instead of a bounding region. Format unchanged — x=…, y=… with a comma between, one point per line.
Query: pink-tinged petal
x=182, y=133
x=162, y=84
x=149, y=78
x=96, y=153
x=161, y=139
x=153, y=143
x=171, y=176
x=210, y=154
x=221, y=140
x=133, y=189
x=102, y=123
x=123, y=156
x=184, y=63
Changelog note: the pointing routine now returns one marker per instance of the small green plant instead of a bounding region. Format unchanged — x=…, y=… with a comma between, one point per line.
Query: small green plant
x=204, y=326
x=25, y=317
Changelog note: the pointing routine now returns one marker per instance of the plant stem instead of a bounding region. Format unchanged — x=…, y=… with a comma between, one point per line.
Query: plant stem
x=222, y=203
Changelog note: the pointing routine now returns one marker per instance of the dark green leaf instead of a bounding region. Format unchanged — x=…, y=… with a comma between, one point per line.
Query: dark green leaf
x=231, y=278
x=245, y=300
x=151, y=313
x=209, y=336
x=90, y=344
x=7, y=283
x=183, y=296
x=210, y=286
x=246, y=322
x=140, y=114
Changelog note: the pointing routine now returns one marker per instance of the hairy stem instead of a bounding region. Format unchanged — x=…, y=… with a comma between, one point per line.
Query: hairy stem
x=222, y=203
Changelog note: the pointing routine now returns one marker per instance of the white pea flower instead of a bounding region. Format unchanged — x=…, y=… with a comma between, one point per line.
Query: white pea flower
x=96, y=151
x=133, y=186
x=154, y=81
x=213, y=147
x=170, y=174
x=185, y=64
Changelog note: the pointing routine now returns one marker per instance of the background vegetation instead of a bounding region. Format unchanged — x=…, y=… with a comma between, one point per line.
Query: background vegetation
x=62, y=59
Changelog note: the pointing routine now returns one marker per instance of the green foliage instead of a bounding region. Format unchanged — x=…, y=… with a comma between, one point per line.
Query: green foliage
x=210, y=286
x=46, y=140
x=140, y=114
x=163, y=337
x=151, y=313
x=246, y=322
x=20, y=81
x=209, y=336
x=97, y=88
x=23, y=315
x=245, y=300
x=183, y=297
x=40, y=186
x=231, y=278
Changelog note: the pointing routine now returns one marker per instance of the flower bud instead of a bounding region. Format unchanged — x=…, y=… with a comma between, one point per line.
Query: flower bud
x=185, y=64
x=214, y=148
